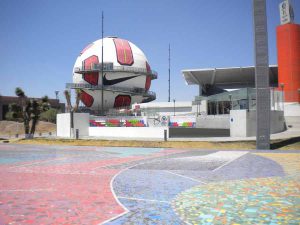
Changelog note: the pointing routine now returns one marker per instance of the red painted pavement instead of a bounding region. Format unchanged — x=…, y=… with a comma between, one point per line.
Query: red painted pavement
x=69, y=193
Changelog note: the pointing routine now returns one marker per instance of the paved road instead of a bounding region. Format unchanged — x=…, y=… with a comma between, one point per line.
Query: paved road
x=106, y=185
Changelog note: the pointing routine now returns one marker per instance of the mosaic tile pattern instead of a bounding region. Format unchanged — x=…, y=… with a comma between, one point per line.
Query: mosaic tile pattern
x=289, y=161
x=147, y=213
x=254, y=201
x=250, y=166
x=150, y=184
x=62, y=185
x=201, y=162
x=71, y=185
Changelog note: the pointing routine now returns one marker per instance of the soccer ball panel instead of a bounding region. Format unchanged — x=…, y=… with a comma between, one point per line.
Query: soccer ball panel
x=121, y=53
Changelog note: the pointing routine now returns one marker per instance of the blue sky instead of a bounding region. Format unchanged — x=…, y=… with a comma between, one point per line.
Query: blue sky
x=40, y=39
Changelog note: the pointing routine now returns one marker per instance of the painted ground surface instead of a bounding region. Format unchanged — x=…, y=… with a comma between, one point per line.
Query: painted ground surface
x=97, y=185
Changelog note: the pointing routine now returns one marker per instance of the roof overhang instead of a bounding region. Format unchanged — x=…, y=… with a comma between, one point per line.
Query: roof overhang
x=232, y=77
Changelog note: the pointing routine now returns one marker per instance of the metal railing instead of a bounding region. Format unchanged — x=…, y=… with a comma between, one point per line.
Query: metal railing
x=133, y=91
x=109, y=67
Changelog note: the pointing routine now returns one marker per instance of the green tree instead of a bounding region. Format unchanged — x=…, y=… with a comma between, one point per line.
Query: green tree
x=49, y=115
x=14, y=113
x=29, y=111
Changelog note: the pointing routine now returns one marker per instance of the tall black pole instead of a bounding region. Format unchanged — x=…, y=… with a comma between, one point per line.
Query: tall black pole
x=169, y=72
x=174, y=106
x=261, y=75
x=102, y=86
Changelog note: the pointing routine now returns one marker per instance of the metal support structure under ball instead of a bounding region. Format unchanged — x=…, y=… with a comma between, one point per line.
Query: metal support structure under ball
x=174, y=105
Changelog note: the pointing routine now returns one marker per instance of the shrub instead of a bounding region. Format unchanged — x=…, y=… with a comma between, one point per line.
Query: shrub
x=49, y=115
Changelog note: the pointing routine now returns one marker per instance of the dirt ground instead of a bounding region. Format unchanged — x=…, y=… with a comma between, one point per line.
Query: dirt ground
x=288, y=144
x=12, y=128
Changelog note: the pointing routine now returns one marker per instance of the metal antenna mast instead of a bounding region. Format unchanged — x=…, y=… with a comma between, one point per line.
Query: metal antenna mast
x=169, y=72
x=102, y=86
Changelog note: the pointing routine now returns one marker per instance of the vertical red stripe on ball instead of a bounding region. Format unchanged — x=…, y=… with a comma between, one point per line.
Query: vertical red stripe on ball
x=122, y=101
x=91, y=77
x=148, y=68
x=124, y=52
x=87, y=99
x=148, y=83
x=148, y=78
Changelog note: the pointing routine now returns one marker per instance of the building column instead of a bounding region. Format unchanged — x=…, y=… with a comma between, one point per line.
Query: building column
x=200, y=90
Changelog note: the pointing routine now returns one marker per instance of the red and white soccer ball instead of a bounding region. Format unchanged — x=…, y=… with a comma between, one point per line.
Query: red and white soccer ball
x=121, y=53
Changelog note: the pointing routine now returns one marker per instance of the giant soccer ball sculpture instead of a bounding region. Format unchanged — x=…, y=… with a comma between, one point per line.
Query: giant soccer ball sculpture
x=126, y=75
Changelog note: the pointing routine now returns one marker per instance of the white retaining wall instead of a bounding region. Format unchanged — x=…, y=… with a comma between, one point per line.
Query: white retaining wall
x=128, y=132
x=63, y=124
x=213, y=121
x=243, y=123
x=292, y=109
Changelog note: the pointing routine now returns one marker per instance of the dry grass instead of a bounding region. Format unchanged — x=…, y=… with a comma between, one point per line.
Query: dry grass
x=146, y=144
x=12, y=128
x=237, y=145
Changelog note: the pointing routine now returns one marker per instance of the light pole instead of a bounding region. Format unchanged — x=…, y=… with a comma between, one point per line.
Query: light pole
x=174, y=105
x=169, y=73
x=56, y=94
x=102, y=85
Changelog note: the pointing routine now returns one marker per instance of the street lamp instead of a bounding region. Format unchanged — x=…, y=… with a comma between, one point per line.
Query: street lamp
x=56, y=94
x=174, y=105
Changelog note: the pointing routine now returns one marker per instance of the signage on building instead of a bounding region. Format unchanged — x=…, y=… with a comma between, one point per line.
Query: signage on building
x=164, y=121
x=286, y=12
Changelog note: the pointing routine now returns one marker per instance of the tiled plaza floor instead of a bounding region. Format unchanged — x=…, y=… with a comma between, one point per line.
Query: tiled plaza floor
x=256, y=201
x=97, y=185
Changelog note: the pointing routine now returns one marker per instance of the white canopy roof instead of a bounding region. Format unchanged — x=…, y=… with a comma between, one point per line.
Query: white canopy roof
x=233, y=77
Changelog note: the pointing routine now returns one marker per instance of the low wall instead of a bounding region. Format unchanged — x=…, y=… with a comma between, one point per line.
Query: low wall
x=292, y=121
x=182, y=121
x=63, y=124
x=213, y=121
x=182, y=132
x=292, y=109
x=243, y=123
x=128, y=132
x=121, y=121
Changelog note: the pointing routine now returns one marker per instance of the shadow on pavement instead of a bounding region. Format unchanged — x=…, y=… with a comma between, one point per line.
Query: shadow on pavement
x=284, y=143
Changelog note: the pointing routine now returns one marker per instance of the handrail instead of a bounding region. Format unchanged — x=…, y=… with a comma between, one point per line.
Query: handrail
x=109, y=67
x=134, y=91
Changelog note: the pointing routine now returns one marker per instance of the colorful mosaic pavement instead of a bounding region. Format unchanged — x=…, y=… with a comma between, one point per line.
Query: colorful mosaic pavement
x=97, y=185
x=255, y=201
x=55, y=185
x=273, y=200
x=289, y=162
